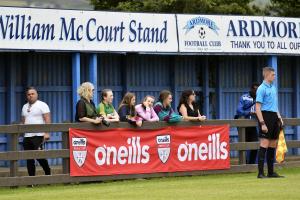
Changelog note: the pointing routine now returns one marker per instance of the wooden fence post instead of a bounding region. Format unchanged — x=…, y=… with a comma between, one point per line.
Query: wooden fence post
x=14, y=147
x=242, y=138
x=65, y=145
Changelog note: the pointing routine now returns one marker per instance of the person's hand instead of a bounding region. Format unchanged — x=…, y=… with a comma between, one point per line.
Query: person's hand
x=98, y=120
x=128, y=117
x=264, y=128
x=110, y=116
x=202, y=118
x=46, y=137
x=139, y=123
x=146, y=104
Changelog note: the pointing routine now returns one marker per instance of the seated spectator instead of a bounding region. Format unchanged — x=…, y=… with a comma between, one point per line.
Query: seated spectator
x=145, y=109
x=188, y=108
x=105, y=107
x=127, y=110
x=163, y=108
x=85, y=107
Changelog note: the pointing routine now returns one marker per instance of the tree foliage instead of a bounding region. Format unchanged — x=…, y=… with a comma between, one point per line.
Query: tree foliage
x=178, y=6
x=286, y=8
x=236, y=7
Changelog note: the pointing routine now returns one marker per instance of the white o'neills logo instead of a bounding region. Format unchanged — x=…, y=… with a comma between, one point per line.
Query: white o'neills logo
x=163, y=147
x=213, y=150
x=79, y=150
x=132, y=153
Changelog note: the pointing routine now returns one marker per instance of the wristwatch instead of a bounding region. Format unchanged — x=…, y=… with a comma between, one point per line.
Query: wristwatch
x=262, y=123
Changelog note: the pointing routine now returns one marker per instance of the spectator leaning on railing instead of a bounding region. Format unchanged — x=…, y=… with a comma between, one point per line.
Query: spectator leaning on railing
x=145, y=109
x=127, y=110
x=85, y=107
x=188, y=108
x=105, y=107
x=163, y=108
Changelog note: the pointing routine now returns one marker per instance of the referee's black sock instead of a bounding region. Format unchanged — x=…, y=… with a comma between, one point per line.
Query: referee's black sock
x=261, y=160
x=270, y=160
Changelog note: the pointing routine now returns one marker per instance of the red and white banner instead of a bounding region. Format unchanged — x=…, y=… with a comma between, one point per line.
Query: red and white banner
x=136, y=151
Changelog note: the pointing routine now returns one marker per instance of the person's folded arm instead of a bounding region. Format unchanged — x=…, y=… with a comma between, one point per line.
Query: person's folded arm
x=154, y=117
x=163, y=116
x=240, y=109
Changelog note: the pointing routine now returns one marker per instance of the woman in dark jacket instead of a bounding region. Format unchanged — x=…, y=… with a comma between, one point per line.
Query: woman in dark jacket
x=127, y=110
x=85, y=107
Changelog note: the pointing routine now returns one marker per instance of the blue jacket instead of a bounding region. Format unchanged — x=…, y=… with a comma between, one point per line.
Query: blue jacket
x=246, y=105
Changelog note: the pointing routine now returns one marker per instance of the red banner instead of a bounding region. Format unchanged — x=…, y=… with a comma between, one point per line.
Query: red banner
x=137, y=151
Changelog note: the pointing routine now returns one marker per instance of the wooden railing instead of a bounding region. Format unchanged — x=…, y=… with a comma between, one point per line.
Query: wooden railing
x=15, y=131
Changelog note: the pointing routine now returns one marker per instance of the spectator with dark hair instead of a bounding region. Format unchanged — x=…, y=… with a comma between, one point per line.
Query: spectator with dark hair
x=105, y=107
x=145, y=109
x=188, y=108
x=246, y=110
x=127, y=110
x=35, y=112
x=85, y=107
x=163, y=108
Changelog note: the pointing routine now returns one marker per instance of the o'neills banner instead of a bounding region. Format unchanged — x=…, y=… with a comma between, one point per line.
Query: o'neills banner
x=133, y=151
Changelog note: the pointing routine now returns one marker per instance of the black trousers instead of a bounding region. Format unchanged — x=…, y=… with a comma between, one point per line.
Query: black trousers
x=35, y=143
x=251, y=136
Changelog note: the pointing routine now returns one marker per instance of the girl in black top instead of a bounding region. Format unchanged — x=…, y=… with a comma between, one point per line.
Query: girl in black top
x=127, y=110
x=188, y=108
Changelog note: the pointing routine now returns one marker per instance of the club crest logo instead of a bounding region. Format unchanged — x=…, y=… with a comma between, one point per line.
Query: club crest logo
x=163, y=147
x=79, y=150
x=201, y=21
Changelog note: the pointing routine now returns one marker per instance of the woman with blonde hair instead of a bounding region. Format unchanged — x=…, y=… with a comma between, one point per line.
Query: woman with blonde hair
x=85, y=107
x=127, y=110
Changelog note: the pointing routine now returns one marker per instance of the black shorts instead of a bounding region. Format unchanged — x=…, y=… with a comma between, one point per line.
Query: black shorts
x=273, y=124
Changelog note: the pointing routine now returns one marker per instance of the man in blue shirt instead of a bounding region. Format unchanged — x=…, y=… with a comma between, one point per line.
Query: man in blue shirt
x=270, y=122
x=246, y=110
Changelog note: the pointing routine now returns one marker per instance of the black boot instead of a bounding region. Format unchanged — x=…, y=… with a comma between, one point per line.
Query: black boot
x=261, y=160
x=270, y=162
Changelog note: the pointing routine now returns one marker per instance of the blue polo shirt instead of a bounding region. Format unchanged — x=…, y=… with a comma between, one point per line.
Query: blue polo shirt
x=266, y=94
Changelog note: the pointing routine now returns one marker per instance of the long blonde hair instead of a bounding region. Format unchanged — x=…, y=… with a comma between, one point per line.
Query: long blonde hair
x=85, y=90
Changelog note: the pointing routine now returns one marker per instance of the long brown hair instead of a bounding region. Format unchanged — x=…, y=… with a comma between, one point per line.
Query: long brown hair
x=126, y=102
x=163, y=95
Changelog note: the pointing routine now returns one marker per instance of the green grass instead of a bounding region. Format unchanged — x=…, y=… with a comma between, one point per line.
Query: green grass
x=219, y=187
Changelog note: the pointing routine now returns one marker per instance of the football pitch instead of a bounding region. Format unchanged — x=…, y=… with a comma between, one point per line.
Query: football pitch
x=219, y=187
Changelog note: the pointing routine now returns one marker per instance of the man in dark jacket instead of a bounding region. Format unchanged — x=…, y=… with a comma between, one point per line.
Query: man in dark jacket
x=246, y=110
